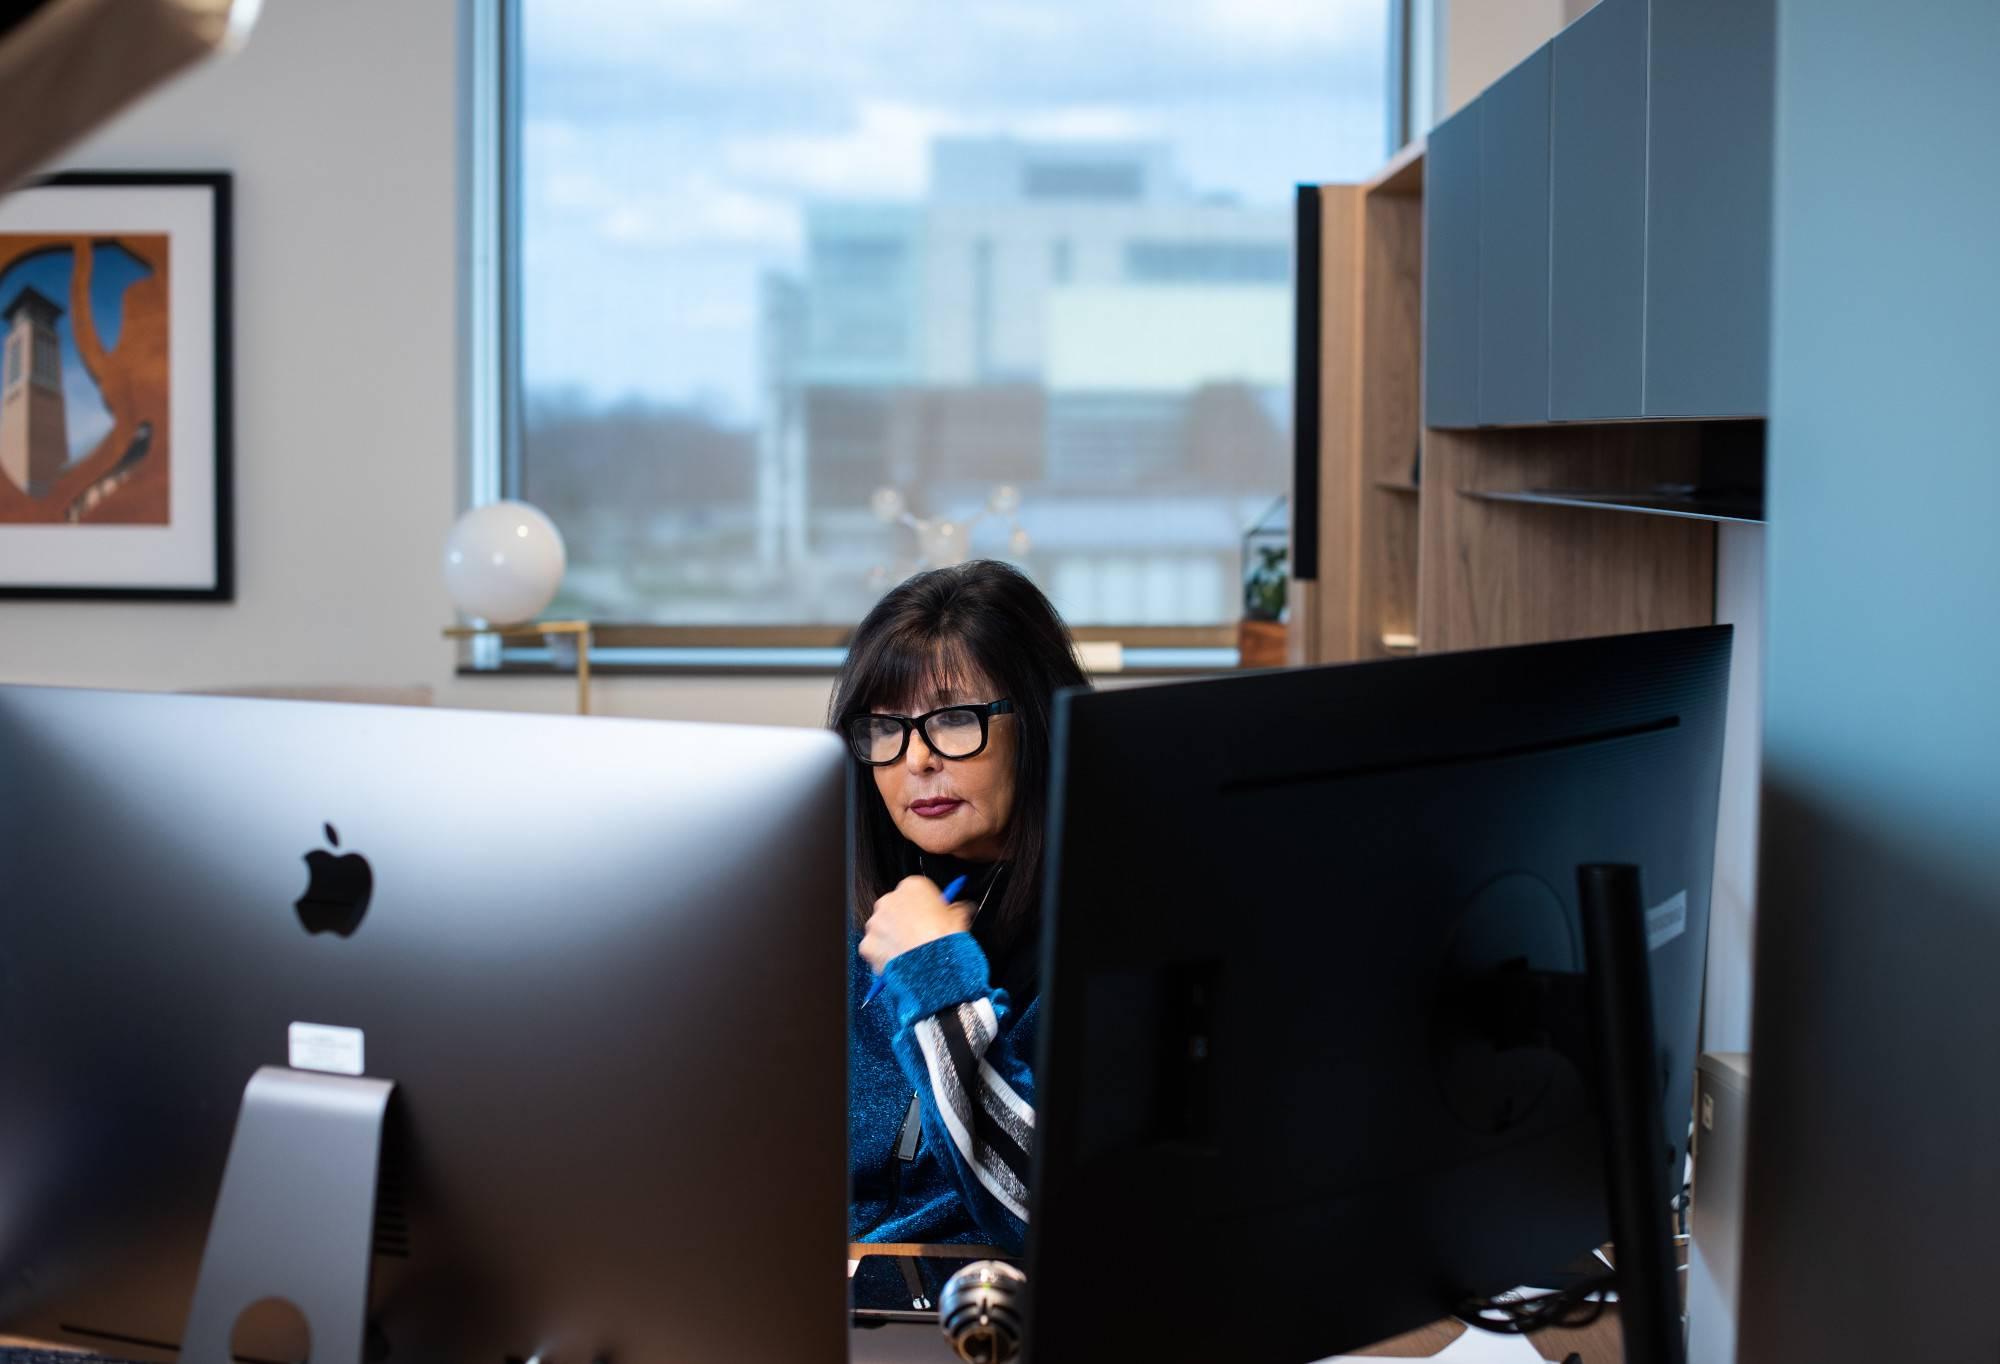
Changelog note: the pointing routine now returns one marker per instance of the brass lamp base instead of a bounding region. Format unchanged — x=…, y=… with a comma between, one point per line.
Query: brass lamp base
x=542, y=629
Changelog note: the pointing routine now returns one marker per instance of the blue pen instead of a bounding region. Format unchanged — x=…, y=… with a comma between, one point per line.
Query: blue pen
x=875, y=985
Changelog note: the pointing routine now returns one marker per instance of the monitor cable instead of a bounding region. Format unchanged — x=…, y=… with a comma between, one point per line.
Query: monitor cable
x=1512, y=1314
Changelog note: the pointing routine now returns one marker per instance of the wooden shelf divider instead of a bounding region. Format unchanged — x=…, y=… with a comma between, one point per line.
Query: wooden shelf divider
x=1438, y=539
x=1640, y=502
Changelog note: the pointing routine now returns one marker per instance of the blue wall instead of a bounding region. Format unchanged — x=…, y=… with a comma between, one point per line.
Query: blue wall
x=1874, y=1183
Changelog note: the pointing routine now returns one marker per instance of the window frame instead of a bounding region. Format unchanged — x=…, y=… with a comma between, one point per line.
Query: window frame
x=493, y=403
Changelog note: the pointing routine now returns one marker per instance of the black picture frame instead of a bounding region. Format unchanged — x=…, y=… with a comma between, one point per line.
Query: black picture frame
x=176, y=228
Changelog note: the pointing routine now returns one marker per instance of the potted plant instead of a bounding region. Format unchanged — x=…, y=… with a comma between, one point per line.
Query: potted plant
x=1267, y=551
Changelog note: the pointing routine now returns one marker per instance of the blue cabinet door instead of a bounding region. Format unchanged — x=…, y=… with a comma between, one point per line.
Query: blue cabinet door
x=1708, y=215
x=1514, y=246
x=1597, y=181
x=1451, y=271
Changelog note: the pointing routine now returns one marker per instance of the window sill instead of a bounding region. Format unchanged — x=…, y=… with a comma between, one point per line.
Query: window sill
x=1139, y=663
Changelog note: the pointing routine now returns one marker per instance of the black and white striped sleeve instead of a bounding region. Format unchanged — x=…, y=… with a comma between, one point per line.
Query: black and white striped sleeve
x=967, y=1052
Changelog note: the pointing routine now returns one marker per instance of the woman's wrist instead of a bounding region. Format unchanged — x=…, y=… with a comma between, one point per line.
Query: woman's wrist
x=935, y=975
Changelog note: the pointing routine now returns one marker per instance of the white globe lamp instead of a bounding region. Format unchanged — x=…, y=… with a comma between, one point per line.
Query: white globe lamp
x=503, y=563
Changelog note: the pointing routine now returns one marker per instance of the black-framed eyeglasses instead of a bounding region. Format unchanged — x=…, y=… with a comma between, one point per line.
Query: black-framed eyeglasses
x=951, y=732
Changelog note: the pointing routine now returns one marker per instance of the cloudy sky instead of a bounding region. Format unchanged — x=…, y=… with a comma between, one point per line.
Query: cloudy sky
x=667, y=144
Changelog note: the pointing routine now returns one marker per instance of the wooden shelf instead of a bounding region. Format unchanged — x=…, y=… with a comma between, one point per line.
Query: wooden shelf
x=1492, y=574
x=1422, y=544
x=1368, y=333
x=1638, y=503
x=1404, y=172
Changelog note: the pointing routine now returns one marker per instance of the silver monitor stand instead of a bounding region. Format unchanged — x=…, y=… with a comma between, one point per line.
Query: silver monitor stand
x=296, y=1216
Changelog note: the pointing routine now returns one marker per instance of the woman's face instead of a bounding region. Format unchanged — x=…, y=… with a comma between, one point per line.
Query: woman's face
x=957, y=807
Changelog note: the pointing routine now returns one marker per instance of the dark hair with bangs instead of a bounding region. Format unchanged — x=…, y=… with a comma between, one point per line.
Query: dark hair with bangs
x=927, y=634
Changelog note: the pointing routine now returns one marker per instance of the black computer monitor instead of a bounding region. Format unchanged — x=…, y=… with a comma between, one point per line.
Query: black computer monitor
x=598, y=959
x=1319, y=1059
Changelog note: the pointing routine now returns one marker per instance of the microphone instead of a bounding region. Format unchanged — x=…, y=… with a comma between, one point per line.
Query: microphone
x=981, y=1309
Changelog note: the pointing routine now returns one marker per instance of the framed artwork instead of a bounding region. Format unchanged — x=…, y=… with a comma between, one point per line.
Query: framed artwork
x=115, y=387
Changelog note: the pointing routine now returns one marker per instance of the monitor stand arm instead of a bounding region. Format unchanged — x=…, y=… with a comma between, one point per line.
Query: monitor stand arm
x=1600, y=1020
x=1628, y=1085
x=296, y=1216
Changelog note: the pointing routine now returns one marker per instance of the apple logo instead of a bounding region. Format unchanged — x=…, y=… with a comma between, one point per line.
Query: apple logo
x=337, y=894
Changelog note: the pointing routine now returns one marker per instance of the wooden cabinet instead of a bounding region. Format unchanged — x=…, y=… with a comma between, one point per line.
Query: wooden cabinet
x=1451, y=271
x=1708, y=215
x=1466, y=551
x=1594, y=296
x=1514, y=246
x=1597, y=215
x=1598, y=225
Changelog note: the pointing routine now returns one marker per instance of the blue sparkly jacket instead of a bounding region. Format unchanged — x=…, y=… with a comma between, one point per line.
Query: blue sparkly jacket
x=942, y=1032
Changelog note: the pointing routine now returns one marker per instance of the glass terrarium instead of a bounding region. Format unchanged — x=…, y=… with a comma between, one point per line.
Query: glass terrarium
x=1267, y=554
x=1267, y=550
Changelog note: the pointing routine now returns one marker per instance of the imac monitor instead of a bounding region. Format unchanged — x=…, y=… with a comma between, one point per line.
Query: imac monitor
x=1298, y=1092
x=602, y=961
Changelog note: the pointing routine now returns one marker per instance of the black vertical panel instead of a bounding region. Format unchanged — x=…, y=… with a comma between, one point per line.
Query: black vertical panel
x=1514, y=245
x=1708, y=229
x=1305, y=386
x=1451, y=271
x=1597, y=216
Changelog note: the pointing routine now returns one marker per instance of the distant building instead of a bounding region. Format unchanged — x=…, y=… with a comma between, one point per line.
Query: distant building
x=963, y=288
x=1066, y=317
x=34, y=437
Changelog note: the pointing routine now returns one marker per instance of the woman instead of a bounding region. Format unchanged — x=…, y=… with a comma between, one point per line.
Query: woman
x=946, y=700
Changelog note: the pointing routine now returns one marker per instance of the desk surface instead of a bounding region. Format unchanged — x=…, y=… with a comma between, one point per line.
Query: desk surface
x=1598, y=1342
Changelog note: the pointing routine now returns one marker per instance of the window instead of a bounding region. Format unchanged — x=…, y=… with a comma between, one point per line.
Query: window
x=798, y=285
x=1081, y=181
x=48, y=361
x=1208, y=262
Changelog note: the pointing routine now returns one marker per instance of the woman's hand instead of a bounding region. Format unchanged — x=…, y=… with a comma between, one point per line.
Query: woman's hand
x=911, y=915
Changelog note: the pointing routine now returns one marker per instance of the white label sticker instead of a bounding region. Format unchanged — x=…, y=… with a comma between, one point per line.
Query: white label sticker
x=1665, y=922
x=314, y=1046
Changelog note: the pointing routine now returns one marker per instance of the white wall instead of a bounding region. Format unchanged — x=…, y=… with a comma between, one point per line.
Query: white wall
x=340, y=123
x=1732, y=910
x=1478, y=41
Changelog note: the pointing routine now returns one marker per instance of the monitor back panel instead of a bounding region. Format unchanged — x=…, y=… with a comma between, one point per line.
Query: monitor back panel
x=1275, y=903
x=602, y=960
